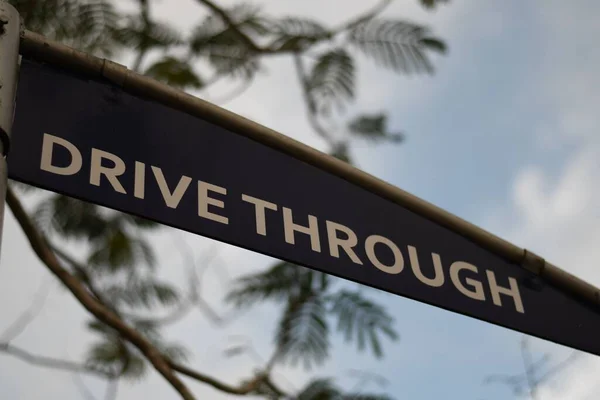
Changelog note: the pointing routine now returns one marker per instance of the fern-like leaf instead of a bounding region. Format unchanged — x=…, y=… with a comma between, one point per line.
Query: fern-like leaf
x=362, y=320
x=113, y=356
x=319, y=389
x=146, y=293
x=276, y=283
x=174, y=72
x=373, y=127
x=295, y=34
x=397, y=45
x=223, y=48
x=302, y=333
x=431, y=4
x=118, y=250
x=332, y=79
x=136, y=34
x=71, y=218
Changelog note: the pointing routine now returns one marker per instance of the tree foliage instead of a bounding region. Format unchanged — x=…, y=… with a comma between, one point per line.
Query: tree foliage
x=311, y=300
x=324, y=389
x=231, y=42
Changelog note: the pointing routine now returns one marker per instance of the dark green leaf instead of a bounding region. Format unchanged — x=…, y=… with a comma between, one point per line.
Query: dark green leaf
x=137, y=34
x=373, y=127
x=332, y=79
x=175, y=73
x=142, y=293
x=275, y=284
x=295, y=34
x=141, y=222
x=175, y=353
x=134, y=368
x=223, y=48
x=319, y=389
x=71, y=217
x=106, y=352
x=361, y=319
x=342, y=152
x=434, y=44
x=432, y=3
x=278, y=283
x=118, y=250
x=302, y=333
x=84, y=24
x=397, y=45
x=112, y=356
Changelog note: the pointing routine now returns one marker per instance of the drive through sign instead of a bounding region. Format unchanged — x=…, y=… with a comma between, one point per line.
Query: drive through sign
x=91, y=139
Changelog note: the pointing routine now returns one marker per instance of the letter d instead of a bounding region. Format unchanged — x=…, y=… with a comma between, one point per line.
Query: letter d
x=47, y=148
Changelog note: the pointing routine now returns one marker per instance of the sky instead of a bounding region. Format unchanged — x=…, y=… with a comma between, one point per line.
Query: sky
x=504, y=135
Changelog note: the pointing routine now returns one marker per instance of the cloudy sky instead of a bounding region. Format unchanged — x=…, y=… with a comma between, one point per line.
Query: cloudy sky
x=504, y=135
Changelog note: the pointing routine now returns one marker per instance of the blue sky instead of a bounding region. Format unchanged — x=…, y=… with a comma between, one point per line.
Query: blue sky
x=504, y=135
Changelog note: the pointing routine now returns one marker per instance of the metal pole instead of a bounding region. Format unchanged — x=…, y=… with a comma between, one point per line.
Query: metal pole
x=10, y=33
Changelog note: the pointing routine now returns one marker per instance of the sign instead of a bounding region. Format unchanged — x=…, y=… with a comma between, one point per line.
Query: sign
x=93, y=141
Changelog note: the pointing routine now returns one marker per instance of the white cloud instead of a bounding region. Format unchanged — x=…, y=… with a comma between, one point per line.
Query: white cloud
x=556, y=199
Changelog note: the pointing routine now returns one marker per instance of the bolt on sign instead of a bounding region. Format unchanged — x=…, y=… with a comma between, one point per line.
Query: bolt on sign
x=105, y=135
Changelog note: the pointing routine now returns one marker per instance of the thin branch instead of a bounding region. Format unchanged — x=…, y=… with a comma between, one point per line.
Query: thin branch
x=363, y=378
x=23, y=320
x=248, y=348
x=83, y=389
x=81, y=273
x=231, y=24
x=363, y=18
x=145, y=14
x=244, y=389
x=49, y=362
x=558, y=367
x=310, y=102
x=241, y=89
x=112, y=390
x=90, y=303
x=528, y=368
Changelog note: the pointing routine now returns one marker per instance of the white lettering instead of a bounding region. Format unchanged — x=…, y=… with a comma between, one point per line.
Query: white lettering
x=498, y=290
x=259, y=211
x=204, y=201
x=139, y=185
x=312, y=230
x=336, y=242
x=438, y=279
x=398, y=264
x=111, y=174
x=455, y=269
x=46, y=161
x=171, y=199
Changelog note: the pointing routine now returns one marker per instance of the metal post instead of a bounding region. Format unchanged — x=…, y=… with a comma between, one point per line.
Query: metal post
x=10, y=32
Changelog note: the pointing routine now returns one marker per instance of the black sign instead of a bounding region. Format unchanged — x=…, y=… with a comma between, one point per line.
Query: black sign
x=91, y=140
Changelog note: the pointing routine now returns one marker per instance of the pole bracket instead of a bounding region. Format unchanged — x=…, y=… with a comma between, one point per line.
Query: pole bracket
x=533, y=263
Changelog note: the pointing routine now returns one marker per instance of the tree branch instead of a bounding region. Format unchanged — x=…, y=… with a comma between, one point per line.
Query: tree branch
x=310, y=102
x=34, y=309
x=363, y=18
x=231, y=24
x=245, y=389
x=93, y=305
x=525, y=356
x=111, y=390
x=49, y=362
x=145, y=14
x=238, y=91
x=85, y=392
